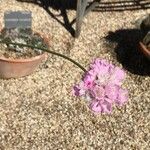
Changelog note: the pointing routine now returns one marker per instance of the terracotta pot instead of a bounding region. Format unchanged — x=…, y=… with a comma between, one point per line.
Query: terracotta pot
x=15, y=68
x=144, y=50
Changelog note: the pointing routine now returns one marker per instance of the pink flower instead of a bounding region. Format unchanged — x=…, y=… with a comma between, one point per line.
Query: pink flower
x=101, y=86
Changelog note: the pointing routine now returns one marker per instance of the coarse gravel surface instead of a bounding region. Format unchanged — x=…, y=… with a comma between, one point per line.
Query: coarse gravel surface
x=39, y=112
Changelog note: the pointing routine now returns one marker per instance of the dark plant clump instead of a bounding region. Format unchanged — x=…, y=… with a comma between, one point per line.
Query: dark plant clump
x=22, y=36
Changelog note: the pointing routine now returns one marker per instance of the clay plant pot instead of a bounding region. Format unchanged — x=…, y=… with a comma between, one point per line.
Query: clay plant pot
x=15, y=68
x=144, y=50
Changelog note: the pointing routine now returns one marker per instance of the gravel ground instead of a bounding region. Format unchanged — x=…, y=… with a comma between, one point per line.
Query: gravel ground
x=38, y=112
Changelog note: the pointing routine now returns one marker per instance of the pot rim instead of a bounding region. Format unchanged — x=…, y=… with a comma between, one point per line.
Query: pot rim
x=23, y=60
x=145, y=50
x=13, y=60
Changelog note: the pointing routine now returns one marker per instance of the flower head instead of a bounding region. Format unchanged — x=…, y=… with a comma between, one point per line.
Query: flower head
x=101, y=85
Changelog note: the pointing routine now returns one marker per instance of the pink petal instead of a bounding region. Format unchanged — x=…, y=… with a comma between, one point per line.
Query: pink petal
x=102, y=70
x=88, y=81
x=79, y=90
x=117, y=76
x=95, y=106
x=76, y=91
x=98, y=92
x=92, y=73
x=103, y=62
x=101, y=67
x=106, y=107
x=122, y=97
x=112, y=91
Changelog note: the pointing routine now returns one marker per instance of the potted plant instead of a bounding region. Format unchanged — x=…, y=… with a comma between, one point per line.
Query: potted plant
x=145, y=29
x=16, y=60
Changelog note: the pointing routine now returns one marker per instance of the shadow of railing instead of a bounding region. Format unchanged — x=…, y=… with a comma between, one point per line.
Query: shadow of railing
x=127, y=50
x=64, y=5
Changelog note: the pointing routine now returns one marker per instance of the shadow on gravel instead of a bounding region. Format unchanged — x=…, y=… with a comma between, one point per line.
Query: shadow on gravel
x=127, y=50
x=55, y=4
x=62, y=5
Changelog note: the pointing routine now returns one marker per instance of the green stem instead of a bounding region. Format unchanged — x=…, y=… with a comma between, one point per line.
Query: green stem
x=48, y=51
